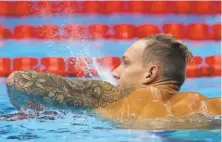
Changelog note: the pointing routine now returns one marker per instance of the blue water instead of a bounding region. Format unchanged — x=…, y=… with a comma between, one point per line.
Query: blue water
x=84, y=127
x=111, y=19
x=95, y=48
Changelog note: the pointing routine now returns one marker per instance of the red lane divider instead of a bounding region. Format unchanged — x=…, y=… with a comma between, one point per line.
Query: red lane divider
x=109, y=63
x=206, y=71
x=213, y=60
x=24, y=32
x=68, y=7
x=203, y=71
x=211, y=68
x=48, y=32
x=112, y=7
x=194, y=31
x=93, y=7
x=5, y=66
x=216, y=31
x=54, y=65
x=24, y=63
x=137, y=7
x=176, y=29
x=74, y=31
x=4, y=32
x=45, y=8
x=197, y=60
x=216, y=70
x=192, y=71
x=83, y=67
x=22, y=8
x=124, y=31
x=108, y=7
x=216, y=7
x=215, y=63
x=163, y=7
x=182, y=7
x=198, y=31
x=147, y=30
x=5, y=9
x=78, y=67
x=98, y=30
x=202, y=7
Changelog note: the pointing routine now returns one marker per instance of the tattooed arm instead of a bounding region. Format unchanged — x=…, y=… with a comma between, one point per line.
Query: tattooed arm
x=55, y=91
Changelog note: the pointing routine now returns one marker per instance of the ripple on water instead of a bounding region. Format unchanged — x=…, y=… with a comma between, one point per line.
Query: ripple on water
x=59, y=131
x=79, y=124
x=3, y=132
x=26, y=136
x=102, y=128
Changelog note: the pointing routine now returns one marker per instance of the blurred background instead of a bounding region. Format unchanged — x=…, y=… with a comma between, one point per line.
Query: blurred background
x=65, y=37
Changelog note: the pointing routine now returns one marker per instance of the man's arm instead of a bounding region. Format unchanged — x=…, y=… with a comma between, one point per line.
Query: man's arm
x=55, y=91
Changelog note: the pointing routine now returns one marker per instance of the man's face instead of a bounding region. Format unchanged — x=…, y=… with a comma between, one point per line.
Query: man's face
x=131, y=71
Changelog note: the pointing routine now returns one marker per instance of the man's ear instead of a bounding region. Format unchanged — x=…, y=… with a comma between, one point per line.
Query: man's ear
x=151, y=74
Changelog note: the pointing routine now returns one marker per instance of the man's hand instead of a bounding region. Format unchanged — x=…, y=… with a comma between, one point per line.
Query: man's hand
x=55, y=91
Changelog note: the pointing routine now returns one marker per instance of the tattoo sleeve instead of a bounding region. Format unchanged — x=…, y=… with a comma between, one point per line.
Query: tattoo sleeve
x=52, y=90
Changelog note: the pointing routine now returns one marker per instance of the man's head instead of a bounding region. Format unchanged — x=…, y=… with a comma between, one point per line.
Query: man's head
x=155, y=58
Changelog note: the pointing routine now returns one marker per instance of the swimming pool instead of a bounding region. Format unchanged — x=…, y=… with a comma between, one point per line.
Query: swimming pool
x=85, y=127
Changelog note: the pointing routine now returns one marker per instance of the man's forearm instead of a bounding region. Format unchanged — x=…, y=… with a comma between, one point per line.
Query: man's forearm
x=56, y=91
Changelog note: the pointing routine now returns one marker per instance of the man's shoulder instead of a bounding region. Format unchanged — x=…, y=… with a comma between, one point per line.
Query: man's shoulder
x=216, y=104
x=187, y=99
x=186, y=102
x=180, y=96
x=193, y=96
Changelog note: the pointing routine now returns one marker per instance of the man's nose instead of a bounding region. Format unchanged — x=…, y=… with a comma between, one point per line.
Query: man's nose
x=115, y=73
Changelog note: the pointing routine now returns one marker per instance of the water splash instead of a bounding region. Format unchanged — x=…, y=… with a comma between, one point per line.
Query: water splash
x=104, y=74
x=86, y=50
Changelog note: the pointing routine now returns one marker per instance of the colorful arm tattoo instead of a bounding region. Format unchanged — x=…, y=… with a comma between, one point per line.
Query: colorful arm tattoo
x=55, y=91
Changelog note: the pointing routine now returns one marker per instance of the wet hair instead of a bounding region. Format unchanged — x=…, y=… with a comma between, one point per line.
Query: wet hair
x=171, y=54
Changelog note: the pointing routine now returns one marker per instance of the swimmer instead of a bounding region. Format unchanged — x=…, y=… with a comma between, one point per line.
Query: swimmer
x=149, y=79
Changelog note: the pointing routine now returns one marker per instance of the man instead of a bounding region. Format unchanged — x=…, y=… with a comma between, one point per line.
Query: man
x=149, y=77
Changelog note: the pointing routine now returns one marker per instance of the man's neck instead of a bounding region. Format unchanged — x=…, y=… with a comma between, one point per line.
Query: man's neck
x=166, y=87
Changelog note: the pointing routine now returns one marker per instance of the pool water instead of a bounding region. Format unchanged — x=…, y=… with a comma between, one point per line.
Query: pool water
x=85, y=127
